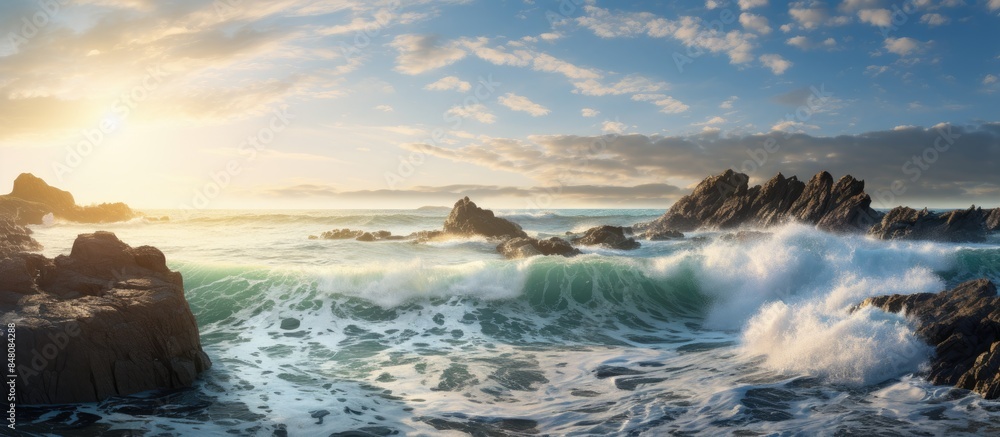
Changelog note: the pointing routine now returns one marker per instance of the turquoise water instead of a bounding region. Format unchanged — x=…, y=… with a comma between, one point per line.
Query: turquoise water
x=702, y=336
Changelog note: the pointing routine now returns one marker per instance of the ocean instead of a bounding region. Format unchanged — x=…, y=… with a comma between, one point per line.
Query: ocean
x=701, y=336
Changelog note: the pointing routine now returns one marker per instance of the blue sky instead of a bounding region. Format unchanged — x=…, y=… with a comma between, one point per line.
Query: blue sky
x=544, y=104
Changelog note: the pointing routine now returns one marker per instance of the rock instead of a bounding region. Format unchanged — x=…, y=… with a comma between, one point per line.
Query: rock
x=348, y=234
x=525, y=247
x=340, y=234
x=993, y=220
x=745, y=236
x=32, y=198
x=963, y=325
x=968, y=225
x=666, y=234
x=425, y=236
x=105, y=320
x=726, y=201
x=608, y=236
x=290, y=324
x=367, y=236
x=15, y=238
x=468, y=219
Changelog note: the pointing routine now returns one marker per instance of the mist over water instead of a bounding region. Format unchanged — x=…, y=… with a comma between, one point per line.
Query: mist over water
x=315, y=337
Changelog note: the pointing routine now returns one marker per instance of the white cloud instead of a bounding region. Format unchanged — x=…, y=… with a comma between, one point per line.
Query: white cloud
x=523, y=104
x=989, y=79
x=776, y=63
x=589, y=112
x=934, y=20
x=422, y=53
x=994, y=5
x=711, y=121
x=667, y=104
x=449, y=83
x=728, y=104
x=876, y=17
x=385, y=108
x=550, y=64
x=496, y=55
x=904, y=46
x=613, y=127
x=477, y=112
x=792, y=126
x=747, y=4
x=808, y=18
x=875, y=70
x=755, y=23
x=799, y=41
x=550, y=36
x=629, y=85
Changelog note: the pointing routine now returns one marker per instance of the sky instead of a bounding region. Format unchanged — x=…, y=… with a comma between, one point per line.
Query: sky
x=518, y=104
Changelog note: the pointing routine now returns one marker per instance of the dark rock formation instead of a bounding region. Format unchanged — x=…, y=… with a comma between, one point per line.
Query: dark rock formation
x=348, y=234
x=613, y=237
x=106, y=320
x=993, y=220
x=32, y=198
x=667, y=234
x=726, y=201
x=967, y=225
x=15, y=238
x=963, y=325
x=468, y=219
x=524, y=247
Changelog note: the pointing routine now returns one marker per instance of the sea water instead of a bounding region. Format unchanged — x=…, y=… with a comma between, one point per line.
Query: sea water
x=696, y=336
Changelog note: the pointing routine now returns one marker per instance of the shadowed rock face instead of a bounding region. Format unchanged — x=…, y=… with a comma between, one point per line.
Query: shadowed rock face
x=726, y=201
x=958, y=226
x=32, y=198
x=525, y=247
x=613, y=237
x=15, y=238
x=467, y=218
x=963, y=325
x=106, y=320
x=993, y=220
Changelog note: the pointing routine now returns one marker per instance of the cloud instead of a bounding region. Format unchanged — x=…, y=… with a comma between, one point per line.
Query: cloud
x=478, y=112
x=994, y=5
x=589, y=112
x=630, y=159
x=449, y=83
x=613, y=127
x=755, y=23
x=711, y=121
x=904, y=46
x=934, y=20
x=728, y=104
x=667, y=104
x=550, y=64
x=747, y=4
x=875, y=70
x=811, y=15
x=776, y=63
x=384, y=108
x=876, y=17
x=523, y=104
x=422, y=53
x=550, y=36
x=628, y=85
x=989, y=79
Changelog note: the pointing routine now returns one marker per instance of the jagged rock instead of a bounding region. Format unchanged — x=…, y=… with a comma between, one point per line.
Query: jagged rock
x=993, y=220
x=963, y=325
x=613, y=237
x=340, y=234
x=967, y=225
x=468, y=219
x=425, y=236
x=32, y=198
x=15, y=238
x=525, y=247
x=106, y=320
x=348, y=234
x=666, y=234
x=726, y=201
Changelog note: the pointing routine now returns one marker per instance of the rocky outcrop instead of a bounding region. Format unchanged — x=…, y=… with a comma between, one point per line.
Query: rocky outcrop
x=525, y=247
x=727, y=201
x=15, y=238
x=106, y=320
x=612, y=237
x=467, y=218
x=969, y=225
x=348, y=234
x=963, y=325
x=664, y=234
x=993, y=220
x=32, y=199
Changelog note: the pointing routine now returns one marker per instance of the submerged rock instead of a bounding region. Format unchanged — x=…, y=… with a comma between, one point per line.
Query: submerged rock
x=467, y=218
x=727, y=201
x=666, y=234
x=963, y=325
x=32, y=198
x=525, y=247
x=613, y=237
x=348, y=234
x=967, y=225
x=106, y=320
